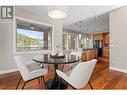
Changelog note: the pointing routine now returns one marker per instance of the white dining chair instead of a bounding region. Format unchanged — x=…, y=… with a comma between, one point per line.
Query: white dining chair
x=79, y=50
x=80, y=75
x=72, y=65
x=29, y=70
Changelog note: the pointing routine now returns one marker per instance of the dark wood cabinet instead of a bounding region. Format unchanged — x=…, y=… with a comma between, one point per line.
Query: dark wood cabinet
x=98, y=36
x=105, y=52
x=106, y=38
x=106, y=44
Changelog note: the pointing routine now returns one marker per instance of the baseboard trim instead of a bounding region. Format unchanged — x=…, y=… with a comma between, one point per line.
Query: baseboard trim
x=118, y=69
x=8, y=71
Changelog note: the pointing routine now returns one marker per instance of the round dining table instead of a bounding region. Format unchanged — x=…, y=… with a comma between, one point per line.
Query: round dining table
x=56, y=60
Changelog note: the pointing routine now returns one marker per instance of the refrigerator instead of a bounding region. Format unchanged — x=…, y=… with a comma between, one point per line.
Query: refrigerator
x=98, y=45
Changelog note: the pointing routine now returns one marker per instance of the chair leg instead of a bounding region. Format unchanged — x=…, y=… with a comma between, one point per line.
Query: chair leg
x=41, y=79
x=48, y=67
x=44, y=80
x=90, y=85
x=67, y=83
x=33, y=79
x=72, y=86
x=38, y=81
x=24, y=85
x=59, y=83
x=18, y=83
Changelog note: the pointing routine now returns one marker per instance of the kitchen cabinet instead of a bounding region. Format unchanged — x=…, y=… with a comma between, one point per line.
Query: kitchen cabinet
x=105, y=52
x=106, y=44
x=106, y=38
x=98, y=36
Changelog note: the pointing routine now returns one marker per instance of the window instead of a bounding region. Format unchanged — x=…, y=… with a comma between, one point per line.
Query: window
x=81, y=41
x=69, y=41
x=85, y=41
x=72, y=42
x=32, y=37
x=64, y=41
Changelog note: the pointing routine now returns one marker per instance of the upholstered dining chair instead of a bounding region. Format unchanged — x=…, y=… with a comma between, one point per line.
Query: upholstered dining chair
x=80, y=75
x=29, y=70
x=76, y=53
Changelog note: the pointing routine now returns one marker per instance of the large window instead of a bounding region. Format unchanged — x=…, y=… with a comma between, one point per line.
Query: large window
x=32, y=37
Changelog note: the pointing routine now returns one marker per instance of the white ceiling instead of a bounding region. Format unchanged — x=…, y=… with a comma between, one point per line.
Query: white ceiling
x=95, y=24
x=75, y=14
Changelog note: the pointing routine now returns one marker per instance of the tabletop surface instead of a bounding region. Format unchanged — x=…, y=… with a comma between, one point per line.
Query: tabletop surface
x=46, y=59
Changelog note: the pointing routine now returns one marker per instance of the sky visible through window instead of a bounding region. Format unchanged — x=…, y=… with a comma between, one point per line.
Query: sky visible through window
x=31, y=34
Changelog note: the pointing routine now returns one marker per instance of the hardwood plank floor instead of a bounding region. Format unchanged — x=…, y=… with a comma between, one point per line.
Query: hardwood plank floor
x=102, y=78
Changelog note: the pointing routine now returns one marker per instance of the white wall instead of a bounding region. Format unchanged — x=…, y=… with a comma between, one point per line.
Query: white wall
x=7, y=63
x=118, y=39
x=6, y=46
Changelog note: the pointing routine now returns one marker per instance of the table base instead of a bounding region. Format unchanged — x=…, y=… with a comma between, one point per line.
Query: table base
x=51, y=84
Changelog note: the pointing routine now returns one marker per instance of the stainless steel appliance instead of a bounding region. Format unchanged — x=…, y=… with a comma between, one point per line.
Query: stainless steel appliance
x=98, y=44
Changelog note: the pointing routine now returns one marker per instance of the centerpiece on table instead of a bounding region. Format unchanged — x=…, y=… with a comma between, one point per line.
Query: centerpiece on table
x=58, y=55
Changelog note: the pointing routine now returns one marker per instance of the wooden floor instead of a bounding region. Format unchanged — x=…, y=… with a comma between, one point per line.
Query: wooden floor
x=102, y=78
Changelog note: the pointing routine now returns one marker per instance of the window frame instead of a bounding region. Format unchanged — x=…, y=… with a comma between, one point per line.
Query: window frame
x=76, y=38
x=32, y=21
x=76, y=41
x=67, y=41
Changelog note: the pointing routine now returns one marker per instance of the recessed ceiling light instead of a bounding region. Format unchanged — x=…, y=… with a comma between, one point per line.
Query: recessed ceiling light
x=80, y=26
x=80, y=21
x=76, y=23
x=96, y=17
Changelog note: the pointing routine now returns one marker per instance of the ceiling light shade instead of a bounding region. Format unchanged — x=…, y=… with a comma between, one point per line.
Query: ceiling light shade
x=57, y=12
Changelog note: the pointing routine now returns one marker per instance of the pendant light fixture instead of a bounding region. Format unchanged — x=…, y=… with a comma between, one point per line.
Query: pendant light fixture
x=57, y=12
